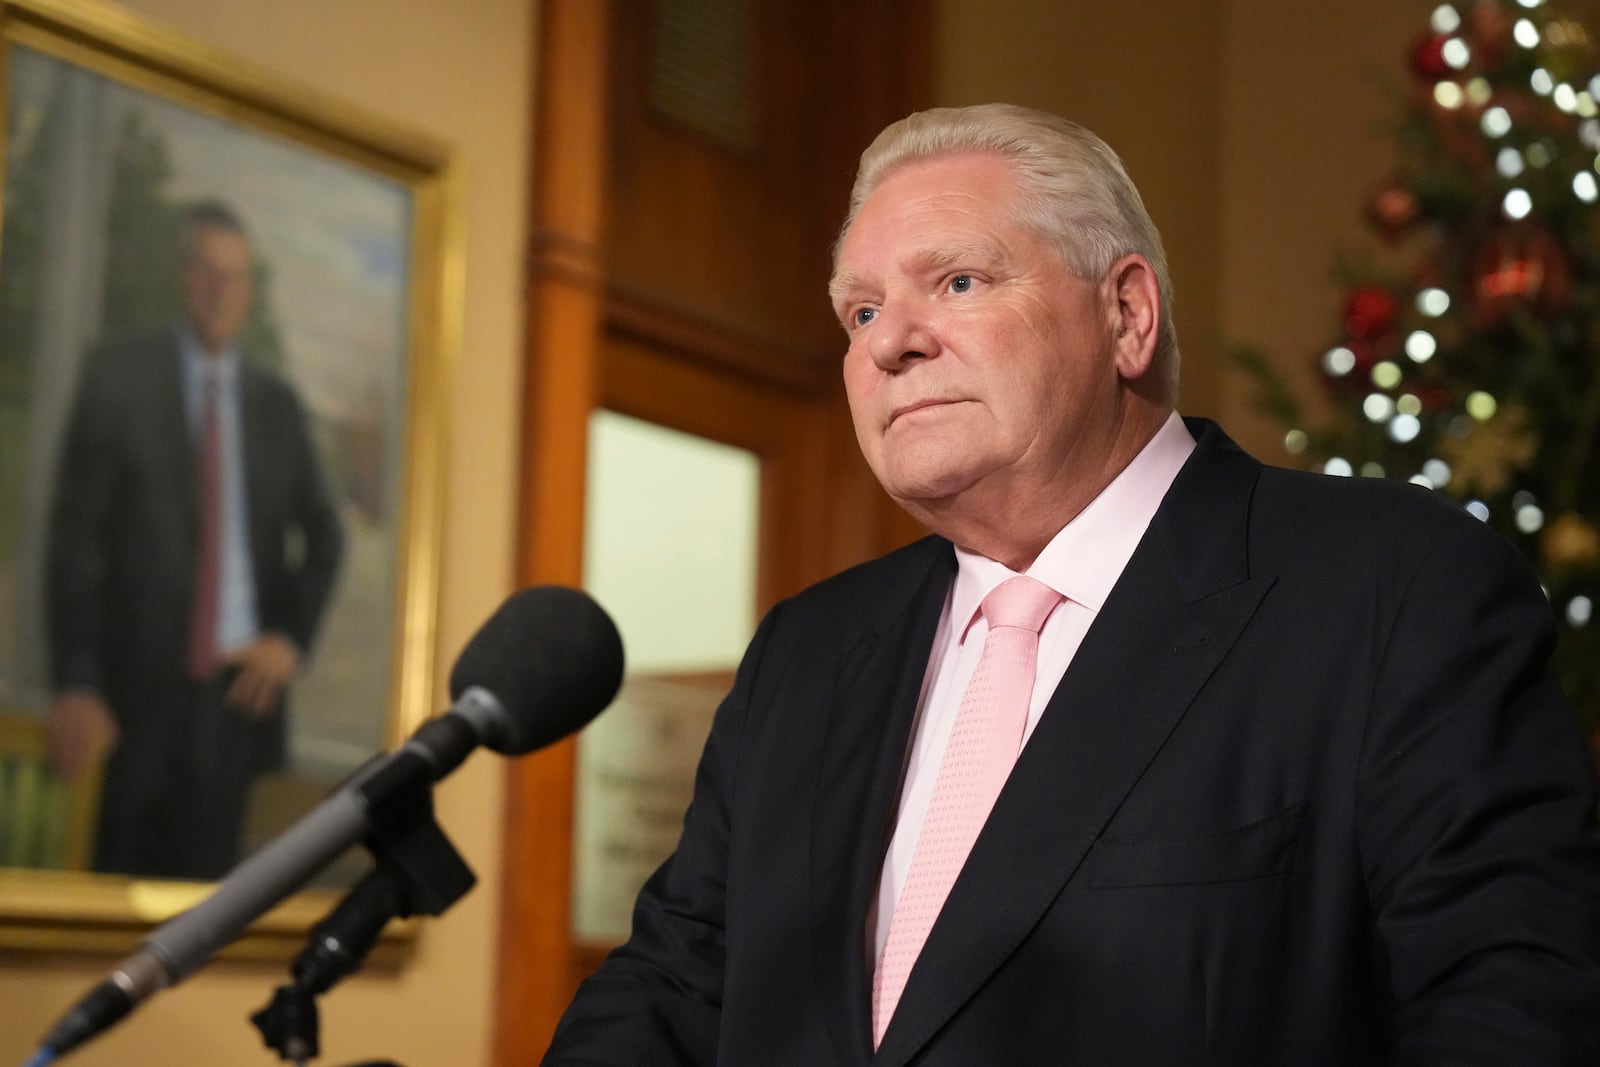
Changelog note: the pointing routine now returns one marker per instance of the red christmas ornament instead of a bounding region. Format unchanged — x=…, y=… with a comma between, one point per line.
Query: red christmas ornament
x=1427, y=57
x=1433, y=397
x=1392, y=209
x=1520, y=267
x=1489, y=33
x=1369, y=312
x=1459, y=133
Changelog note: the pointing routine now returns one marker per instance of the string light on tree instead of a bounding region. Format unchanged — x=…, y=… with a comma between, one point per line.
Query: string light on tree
x=1465, y=353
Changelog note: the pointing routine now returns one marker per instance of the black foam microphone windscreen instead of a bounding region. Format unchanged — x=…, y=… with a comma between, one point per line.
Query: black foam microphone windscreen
x=552, y=657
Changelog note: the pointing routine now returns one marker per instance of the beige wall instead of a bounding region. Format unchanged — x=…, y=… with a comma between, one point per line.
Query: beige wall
x=460, y=73
x=1143, y=75
x=1308, y=91
x=1252, y=130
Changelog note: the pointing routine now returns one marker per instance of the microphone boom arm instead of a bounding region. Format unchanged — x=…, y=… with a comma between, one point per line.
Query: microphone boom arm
x=418, y=872
x=546, y=663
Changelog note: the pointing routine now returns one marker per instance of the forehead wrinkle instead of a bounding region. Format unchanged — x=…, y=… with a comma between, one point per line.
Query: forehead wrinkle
x=970, y=253
x=941, y=257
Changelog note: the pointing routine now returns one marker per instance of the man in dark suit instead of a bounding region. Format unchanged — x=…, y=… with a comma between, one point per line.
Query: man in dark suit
x=193, y=546
x=1294, y=787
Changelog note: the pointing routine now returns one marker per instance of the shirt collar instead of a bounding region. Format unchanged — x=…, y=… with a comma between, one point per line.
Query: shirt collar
x=196, y=360
x=1084, y=560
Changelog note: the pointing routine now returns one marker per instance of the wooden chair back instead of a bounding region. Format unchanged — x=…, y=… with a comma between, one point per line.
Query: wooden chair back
x=45, y=821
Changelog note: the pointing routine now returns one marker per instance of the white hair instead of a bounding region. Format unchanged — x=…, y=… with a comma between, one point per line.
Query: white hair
x=1072, y=190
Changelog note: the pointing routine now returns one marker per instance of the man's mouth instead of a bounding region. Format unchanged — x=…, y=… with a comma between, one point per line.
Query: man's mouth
x=915, y=406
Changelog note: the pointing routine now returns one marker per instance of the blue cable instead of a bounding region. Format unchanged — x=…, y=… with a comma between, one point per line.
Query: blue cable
x=41, y=1058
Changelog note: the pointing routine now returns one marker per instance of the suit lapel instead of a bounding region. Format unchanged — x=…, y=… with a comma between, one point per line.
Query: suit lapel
x=1180, y=604
x=858, y=785
x=256, y=441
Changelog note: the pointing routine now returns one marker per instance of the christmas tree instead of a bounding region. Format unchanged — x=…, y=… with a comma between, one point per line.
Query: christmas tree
x=1467, y=354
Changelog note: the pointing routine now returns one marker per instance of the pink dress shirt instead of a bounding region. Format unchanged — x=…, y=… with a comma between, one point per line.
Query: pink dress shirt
x=1082, y=563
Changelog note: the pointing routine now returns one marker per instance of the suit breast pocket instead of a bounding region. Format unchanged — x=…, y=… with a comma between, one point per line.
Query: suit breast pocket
x=1260, y=849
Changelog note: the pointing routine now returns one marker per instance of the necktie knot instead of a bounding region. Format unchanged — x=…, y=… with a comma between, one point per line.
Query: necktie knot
x=1022, y=602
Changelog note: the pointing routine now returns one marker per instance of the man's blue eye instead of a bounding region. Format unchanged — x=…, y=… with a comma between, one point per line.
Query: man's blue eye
x=961, y=283
x=865, y=315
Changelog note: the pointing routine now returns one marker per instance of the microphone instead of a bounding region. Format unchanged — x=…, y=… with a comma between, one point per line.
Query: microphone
x=543, y=666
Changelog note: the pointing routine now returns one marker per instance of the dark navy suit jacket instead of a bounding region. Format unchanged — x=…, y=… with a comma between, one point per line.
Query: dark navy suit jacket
x=123, y=537
x=1306, y=796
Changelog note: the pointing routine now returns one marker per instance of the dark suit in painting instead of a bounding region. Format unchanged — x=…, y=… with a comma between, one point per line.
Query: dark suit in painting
x=123, y=532
x=1307, y=796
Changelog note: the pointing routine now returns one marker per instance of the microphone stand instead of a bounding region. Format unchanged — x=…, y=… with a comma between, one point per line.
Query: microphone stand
x=418, y=872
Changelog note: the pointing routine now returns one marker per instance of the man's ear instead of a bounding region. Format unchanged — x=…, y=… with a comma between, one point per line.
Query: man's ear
x=1137, y=314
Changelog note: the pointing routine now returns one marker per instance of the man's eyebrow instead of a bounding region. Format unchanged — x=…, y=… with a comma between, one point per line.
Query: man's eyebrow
x=943, y=257
x=841, y=283
x=966, y=253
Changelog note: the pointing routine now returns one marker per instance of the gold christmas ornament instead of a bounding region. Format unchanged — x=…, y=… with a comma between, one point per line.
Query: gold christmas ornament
x=1571, y=541
x=1484, y=459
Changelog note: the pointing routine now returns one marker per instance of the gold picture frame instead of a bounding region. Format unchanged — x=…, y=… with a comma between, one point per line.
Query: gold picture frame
x=353, y=227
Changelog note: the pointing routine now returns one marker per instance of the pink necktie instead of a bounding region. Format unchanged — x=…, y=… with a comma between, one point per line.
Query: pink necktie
x=208, y=563
x=983, y=746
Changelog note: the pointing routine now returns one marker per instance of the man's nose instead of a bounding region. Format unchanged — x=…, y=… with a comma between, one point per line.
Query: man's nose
x=902, y=334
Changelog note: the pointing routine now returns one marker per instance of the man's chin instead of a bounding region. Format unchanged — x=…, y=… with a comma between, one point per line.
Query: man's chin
x=215, y=341
x=928, y=499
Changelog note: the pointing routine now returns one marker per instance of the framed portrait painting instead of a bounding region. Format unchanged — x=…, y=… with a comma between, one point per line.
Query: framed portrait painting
x=226, y=308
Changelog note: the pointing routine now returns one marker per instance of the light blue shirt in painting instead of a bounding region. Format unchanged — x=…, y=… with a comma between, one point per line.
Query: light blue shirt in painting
x=236, y=615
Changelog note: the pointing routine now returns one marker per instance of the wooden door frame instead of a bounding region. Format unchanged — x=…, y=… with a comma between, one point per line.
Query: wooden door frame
x=565, y=301
x=588, y=347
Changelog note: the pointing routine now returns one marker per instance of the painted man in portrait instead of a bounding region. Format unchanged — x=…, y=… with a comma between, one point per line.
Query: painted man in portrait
x=193, y=545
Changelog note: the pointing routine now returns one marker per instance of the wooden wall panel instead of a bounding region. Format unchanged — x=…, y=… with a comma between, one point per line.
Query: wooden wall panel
x=679, y=278
x=742, y=236
x=564, y=301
